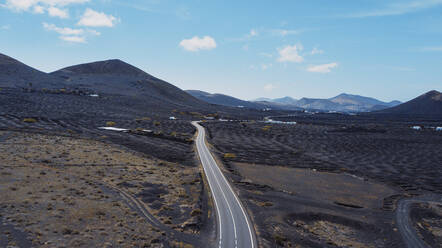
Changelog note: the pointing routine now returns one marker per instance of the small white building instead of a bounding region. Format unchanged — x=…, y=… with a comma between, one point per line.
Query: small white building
x=438, y=128
x=416, y=127
x=172, y=118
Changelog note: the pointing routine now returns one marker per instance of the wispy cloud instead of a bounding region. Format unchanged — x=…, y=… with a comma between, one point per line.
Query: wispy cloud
x=73, y=39
x=402, y=68
x=325, y=68
x=283, y=32
x=432, y=49
x=316, y=51
x=5, y=27
x=398, y=8
x=246, y=37
x=62, y=31
x=269, y=87
x=71, y=34
x=265, y=66
x=267, y=55
x=255, y=32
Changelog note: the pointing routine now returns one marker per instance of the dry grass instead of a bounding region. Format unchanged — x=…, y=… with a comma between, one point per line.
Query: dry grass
x=110, y=124
x=29, y=120
x=51, y=187
x=229, y=155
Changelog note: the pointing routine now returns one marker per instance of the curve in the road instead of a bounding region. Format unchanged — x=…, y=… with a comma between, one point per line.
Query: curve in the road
x=405, y=227
x=235, y=229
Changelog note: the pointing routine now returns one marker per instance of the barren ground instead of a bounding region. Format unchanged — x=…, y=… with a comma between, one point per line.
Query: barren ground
x=67, y=191
x=331, y=183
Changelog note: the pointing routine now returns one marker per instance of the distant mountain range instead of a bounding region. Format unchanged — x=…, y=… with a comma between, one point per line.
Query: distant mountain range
x=340, y=103
x=116, y=77
x=225, y=100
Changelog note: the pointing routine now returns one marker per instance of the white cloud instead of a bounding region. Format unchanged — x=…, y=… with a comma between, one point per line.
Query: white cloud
x=325, y=68
x=195, y=44
x=290, y=54
x=62, y=31
x=73, y=39
x=269, y=87
x=38, y=9
x=25, y=5
x=5, y=27
x=316, y=51
x=398, y=8
x=93, y=18
x=56, y=12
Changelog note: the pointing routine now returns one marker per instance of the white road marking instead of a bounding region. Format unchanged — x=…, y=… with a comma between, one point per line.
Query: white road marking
x=204, y=152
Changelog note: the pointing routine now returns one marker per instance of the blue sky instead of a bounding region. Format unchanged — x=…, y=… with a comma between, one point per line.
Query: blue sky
x=247, y=49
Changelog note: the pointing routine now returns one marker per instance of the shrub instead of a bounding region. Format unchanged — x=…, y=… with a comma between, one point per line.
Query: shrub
x=29, y=120
x=143, y=119
x=279, y=239
x=266, y=128
x=266, y=204
x=229, y=155
x=174, y=134
x=196, y=212
x=157, y=123
x=110, y=123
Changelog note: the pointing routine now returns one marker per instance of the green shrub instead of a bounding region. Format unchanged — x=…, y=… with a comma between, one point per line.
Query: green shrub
x=196, y=212
x=266, y=128
x=110, y=123
x=279, y=239
x=229, y=155
x=266, y=204
x=29, y=120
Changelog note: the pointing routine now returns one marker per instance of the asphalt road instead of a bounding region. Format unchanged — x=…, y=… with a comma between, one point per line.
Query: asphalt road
x=405, y=226
x=234, y=227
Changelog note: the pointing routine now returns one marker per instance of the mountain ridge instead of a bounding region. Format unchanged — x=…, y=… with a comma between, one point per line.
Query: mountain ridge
x=428, y=104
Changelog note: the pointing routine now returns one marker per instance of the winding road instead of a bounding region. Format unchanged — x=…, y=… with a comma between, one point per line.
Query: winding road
x=405, y=226
x=234, y=227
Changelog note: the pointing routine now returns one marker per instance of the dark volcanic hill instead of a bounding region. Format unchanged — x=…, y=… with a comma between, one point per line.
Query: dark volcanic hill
x=113, y=66
x=14, y=74
x=224, y=100
x=117, y=77
x=428, y=104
